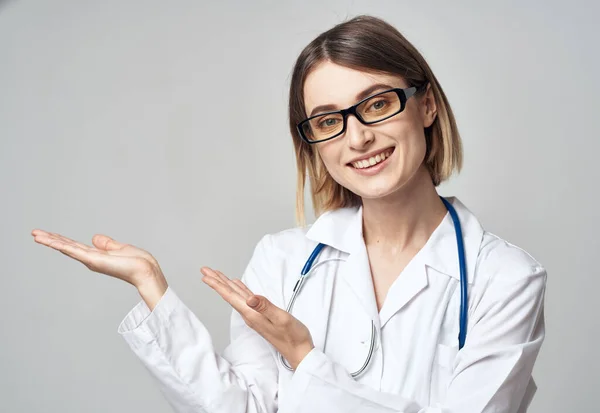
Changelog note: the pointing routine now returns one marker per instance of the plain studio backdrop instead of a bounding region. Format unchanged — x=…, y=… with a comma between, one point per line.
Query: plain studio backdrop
x=164, y=124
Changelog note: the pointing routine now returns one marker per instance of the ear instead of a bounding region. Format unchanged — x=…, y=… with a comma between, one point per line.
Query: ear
x=428, y=107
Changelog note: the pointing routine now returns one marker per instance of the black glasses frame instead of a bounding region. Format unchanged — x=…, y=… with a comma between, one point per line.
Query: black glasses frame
x=403, y=95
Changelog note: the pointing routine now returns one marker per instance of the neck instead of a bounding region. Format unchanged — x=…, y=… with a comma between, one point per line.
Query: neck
x=406, y=218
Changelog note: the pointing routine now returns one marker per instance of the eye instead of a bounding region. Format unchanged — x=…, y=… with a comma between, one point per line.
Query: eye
x=378, y=105
x=328, y=122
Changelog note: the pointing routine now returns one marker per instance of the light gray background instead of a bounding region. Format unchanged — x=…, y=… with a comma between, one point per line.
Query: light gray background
x=164, y=124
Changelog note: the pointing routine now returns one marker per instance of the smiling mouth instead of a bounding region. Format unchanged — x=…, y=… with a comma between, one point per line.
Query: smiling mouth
x=373, y=160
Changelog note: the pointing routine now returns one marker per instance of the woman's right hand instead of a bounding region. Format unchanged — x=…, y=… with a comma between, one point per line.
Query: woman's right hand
x=124, y=261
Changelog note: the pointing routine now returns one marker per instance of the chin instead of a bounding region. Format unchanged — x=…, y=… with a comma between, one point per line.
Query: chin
x=377, y=191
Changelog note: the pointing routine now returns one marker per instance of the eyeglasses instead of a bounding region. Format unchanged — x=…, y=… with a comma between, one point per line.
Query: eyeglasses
x=376, y=108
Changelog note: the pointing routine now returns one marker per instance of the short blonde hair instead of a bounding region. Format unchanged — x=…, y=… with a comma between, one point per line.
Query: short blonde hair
x=369, y=44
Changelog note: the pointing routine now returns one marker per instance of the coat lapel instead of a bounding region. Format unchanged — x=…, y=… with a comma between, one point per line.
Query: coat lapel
x=342, y=230
x=409, y=283
x=439, y=252
x=442, y=249
x=357, y=274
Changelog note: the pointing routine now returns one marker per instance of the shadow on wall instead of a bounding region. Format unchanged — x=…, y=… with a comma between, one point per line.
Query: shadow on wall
x=5, y=3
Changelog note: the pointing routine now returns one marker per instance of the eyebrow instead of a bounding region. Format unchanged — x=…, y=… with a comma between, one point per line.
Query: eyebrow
x=360, y=96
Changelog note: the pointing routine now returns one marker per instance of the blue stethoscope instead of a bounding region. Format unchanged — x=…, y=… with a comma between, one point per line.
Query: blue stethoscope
x=463, y=290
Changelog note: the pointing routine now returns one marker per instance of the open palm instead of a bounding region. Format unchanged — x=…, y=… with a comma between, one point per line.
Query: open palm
x=107, y=256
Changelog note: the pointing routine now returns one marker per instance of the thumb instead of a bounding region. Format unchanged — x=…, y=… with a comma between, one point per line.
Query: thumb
x=262, y=305
x=106, y=243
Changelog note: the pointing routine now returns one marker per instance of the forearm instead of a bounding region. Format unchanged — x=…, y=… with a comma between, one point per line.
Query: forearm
x=177, y=350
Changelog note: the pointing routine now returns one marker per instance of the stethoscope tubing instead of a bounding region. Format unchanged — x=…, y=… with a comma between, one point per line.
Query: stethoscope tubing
x=463, y=318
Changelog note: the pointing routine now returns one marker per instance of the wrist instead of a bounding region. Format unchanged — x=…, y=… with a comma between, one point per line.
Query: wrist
x=300, y=354
x=152, y=289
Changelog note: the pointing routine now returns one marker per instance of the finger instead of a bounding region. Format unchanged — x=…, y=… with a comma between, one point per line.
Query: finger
x=80, y=254
x=222, y=276
x=67, y=240
x=241, y=285
x=221, y=280
x=209, y=272
x=227, y=293
x=46, y=238
x=233, y=285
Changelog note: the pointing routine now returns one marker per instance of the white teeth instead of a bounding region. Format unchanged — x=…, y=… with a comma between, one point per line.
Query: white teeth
x=365, y=163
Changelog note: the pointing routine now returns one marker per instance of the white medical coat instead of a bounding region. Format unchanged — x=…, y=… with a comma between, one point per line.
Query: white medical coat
x=416, y=365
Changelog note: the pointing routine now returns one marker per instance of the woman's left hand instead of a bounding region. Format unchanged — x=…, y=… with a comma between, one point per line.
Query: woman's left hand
x=286, y=333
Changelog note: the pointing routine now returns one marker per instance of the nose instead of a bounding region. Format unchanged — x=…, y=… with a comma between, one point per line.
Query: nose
x=358, y=136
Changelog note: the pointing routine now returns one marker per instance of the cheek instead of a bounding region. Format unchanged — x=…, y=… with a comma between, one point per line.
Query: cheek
x=412, y=144
x=411, y=155
x=414, y=148
x=330, y=155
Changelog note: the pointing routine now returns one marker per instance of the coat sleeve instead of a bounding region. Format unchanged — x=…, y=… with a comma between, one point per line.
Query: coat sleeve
x=490, y=373
x=177, y=350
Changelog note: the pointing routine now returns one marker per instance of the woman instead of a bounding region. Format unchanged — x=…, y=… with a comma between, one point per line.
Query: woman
x=375, y=327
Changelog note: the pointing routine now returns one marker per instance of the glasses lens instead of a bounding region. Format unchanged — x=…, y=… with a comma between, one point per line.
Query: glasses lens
x=379, y=107
x=323, y=126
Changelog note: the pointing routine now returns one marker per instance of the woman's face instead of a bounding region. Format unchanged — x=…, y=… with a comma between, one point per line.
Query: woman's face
x=399, y=141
